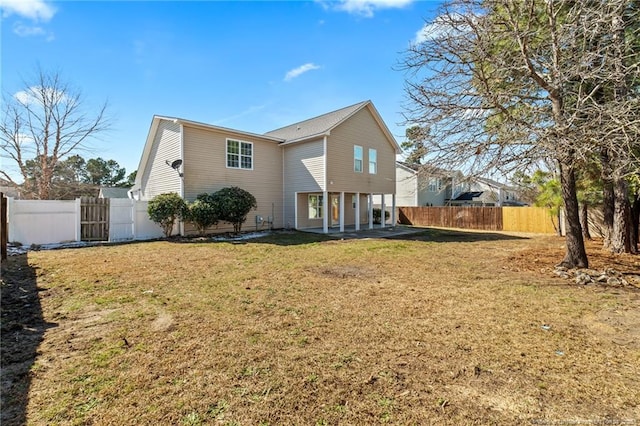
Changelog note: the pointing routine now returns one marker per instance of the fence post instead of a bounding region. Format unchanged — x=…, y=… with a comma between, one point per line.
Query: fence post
x=78, y=219
x=134, y=218
x=4, y=232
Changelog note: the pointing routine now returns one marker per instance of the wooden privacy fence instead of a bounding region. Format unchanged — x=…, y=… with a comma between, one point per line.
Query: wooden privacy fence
x=518, y=219
x=94, y=219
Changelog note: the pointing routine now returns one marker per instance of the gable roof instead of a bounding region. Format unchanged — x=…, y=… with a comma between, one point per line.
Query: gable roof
x=316, y=126
x=322, y=125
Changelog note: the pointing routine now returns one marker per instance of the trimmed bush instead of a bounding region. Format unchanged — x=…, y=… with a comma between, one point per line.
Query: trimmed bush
x=232, y=205
x=377, y=215
x=164, y=209
x=203, y=213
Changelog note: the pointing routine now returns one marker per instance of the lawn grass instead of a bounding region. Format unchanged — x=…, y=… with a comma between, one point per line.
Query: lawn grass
x=439, y=328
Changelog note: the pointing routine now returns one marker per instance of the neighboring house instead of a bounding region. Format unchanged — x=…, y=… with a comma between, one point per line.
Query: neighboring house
x=318, y=173
x=416, y=186
x=487, y=192
x=106, y=192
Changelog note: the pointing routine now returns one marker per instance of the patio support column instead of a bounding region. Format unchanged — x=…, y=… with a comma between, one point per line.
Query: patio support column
x=370, y=211
x=393, y=210
x=295, y=210
x=357, y=211
x=325, y=212
x=341, y=211
x=382, y=212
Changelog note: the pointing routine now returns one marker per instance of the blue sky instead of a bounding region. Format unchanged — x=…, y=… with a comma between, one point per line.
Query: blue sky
x=253, y=66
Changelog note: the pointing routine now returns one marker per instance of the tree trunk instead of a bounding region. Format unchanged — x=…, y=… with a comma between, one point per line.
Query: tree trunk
x=584, y=221
x=576, y=256
x=620, y=238
x=607, y=199
x=635, y=222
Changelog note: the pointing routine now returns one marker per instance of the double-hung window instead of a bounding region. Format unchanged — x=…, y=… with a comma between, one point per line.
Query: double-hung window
x=435, y=184
x=315, y=206
x=373, y=161
x=239, y=154
x=357, y=158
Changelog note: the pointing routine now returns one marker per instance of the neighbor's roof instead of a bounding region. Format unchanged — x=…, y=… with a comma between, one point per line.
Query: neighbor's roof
x=468, y=196
x=114, y=192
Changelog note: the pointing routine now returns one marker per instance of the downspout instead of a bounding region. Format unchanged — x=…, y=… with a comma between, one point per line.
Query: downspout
x=182, y=174
x=325, y=192
x=284, y=195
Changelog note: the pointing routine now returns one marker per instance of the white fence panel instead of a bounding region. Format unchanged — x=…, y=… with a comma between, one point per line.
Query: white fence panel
x=145, y=228
x=43, y=221
x=121, y=219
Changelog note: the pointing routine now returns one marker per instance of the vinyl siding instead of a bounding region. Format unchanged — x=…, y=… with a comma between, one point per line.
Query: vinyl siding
x=406, y=188
x=159, y=177
x=205, y=171
x=303, y=172
x=361, y=129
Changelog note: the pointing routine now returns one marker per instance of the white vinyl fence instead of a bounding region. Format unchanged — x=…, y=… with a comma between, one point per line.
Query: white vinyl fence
x=52, y=221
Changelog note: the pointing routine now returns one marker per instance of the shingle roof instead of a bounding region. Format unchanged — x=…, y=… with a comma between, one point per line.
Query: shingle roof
x=317, y=125
x=468, y=196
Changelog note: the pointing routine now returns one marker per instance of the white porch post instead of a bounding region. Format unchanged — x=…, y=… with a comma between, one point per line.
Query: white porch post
x=382, y=212
x=393, y=210
x=357, y=211
x=370, y=211
x=295, y=210
x=341, y=211
x=325, y=212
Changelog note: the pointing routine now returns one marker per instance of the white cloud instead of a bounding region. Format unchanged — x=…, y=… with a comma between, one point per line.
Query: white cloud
x=364, y=8
x=36, y=10
x=251, y=110
x=27, y=30
x=23, y=30
x=439, y=27
x=34, y=95
x=300, y=70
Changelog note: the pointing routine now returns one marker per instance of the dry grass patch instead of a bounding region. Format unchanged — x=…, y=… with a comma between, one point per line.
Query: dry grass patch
x=442, y=328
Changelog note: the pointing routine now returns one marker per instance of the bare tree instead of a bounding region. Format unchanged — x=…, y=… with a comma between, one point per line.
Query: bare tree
x=46, y=121
x=507, y=85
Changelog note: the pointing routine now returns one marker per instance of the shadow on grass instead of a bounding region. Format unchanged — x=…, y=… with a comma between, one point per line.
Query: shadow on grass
x=439, y=235
x=426, y=234
x=21, y=333
x=293, y=238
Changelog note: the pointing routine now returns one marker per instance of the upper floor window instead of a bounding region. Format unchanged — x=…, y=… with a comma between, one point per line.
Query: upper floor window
x=357, y=158
x=435, y=184
x=373, y=161
x=239, y=154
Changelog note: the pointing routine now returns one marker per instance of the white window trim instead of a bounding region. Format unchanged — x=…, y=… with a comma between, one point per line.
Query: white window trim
x=226, y=154
x=319, y=206
x=356, y=158
x=374, y=163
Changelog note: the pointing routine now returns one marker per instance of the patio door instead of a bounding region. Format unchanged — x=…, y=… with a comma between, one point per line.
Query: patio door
x=335, y=209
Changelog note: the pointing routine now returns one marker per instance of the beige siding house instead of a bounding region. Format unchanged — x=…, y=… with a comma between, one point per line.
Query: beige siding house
x=319, y=173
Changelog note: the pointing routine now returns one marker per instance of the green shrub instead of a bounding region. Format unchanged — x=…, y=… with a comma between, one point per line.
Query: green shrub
x=164, y=209
x=203, y=213
x=232, y=205
x=377, y=215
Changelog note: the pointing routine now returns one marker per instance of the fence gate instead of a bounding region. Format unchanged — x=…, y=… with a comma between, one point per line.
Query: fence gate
x=94, y=219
